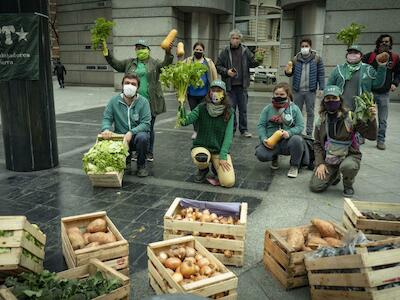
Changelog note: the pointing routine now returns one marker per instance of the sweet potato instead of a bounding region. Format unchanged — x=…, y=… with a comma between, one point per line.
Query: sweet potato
x=76, y=240
x=314, y=242
x=111, y=237
x=102, y=237
x=325, y=228
x=73, y=229
x=97, y=225
x=94, y=244
x=295, y=238
x=86, y=237
x=305, y=248
x=334, y=242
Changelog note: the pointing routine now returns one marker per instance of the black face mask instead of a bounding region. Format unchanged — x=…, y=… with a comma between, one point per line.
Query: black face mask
x=279, y=99
x=198, y=55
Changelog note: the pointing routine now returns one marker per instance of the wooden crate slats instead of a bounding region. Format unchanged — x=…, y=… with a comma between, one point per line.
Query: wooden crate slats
x=110, y=179
x=10, y=259
x=338, y=279
x=119, y=263
x=377, y=206
x=367, y=224
x=227, y=229
x=209, y=282
x=86, y=218
x=243, y=213
x=276, y=269
x=215, y=288
x=235, y=260
x=320, y=294
x=329, y=263
x=5, y=294
x=276, y=251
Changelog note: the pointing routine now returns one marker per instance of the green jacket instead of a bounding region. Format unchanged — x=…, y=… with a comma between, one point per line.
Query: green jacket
x=135, y=118
x=266, y=128
x=370, y=79
x=214, y=134
x=128, y=66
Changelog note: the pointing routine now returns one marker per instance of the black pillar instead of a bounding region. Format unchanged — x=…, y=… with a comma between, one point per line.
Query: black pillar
x=27, y=106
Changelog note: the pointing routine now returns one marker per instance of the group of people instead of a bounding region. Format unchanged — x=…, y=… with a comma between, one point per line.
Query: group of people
x=336, y=145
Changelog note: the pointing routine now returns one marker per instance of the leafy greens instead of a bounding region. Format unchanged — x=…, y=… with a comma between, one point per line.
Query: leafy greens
x=100, y=32
x=362, y=105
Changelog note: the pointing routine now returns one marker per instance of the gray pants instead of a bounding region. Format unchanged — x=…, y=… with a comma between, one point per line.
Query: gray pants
x=292, y=146
x=349, y=168
x=238, y=96
x=309, y=99
x=382, y=101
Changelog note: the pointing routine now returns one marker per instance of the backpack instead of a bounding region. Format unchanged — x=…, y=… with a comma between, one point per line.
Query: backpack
x=394, y=57
x=310, y=145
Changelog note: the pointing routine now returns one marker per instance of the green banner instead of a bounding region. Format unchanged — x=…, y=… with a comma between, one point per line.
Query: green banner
x=19, y=47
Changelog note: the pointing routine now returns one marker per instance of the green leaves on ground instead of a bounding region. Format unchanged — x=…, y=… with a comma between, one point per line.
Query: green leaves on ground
x=46, y=286
x=362, y=103
x=100, y=32
x=350, y=34
x=105, y=156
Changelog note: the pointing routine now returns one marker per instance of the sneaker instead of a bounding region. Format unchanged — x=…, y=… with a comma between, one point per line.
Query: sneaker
x=246, y=134
x=293, y=172
x=381, y=146
x=134, y=156
x=149, y=157
x=275, y=164
x=348, y=192
x=194, y=135
x=201, y=175
x=142, y=172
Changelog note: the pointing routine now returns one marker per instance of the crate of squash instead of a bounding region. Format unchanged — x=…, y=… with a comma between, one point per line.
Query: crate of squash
x=183, y=266
x=21, y=246
x=93, y=236
x=284, y=249
x=219, y=226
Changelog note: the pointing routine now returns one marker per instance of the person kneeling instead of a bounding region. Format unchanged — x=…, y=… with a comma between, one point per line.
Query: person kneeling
x=214, y=136
x=130, y=114
x=279, y=130
x=336, y=148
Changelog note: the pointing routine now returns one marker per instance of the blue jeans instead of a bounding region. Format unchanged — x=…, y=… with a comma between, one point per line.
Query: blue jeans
x=382, y=101
x=238, y=97
x=151, y=143
x=140, y=143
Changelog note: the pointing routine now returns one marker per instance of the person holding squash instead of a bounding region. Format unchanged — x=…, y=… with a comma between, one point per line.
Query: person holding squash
x=279, y=130
x=197, y=95
x=214, y=137
x=336, y=149
x=148, y=69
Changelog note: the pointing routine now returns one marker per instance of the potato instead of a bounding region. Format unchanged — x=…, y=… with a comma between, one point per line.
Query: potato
x=76, y=240
x=295, y=238
x=111, y=237
x=97, y=225
x=86, y=237
x=102, y=237
x=94, y=244
x=334, y=242
x=73, y=229
x=326, y=229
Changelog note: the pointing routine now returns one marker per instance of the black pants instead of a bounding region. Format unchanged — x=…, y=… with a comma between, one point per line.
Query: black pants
x=151, y=143
x=193, y=102
x=239, y=99
x=139, y=143
x=60, y=78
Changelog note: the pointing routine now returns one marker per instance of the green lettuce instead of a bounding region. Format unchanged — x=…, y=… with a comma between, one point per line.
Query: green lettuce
x=100, y=32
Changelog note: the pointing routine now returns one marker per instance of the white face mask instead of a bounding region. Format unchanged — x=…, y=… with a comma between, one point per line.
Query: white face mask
x=305, y=50
x=129, y=90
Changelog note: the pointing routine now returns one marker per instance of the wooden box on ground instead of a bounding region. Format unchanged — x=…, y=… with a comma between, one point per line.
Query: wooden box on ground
x=114, y=254
x=284, y=262
x=21, y=246
x=162, y=282
x=87, y=270
x=176, y=228
x=353, y=217
x=360, y=276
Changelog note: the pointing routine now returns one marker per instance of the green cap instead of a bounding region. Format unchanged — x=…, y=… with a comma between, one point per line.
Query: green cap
x=142, y=42
x=333, y=90
x=218, y=83
x=355, y=47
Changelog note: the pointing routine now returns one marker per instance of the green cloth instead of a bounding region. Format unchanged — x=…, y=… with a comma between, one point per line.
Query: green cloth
x=215, y=110
x=349, y=69
x=135, y=118
x=141, y=71
x=213, y=133
x=266, y=128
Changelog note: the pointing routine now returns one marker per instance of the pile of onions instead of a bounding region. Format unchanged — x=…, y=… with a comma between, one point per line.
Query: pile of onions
x=186, y=265
x=194, y=214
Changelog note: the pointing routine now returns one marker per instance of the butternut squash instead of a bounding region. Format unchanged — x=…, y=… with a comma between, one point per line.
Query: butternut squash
x=180, y=50
x=274, y=139
x=169, y=39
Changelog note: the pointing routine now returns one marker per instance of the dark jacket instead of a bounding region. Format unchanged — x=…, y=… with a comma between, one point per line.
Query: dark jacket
x=224, y=63
x=344, y=132
x=392, y=71
x=128, y=66
x=316, y=75
x=59, y=70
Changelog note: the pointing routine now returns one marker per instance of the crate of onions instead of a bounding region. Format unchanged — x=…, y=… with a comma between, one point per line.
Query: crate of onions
x=183, y=266
x=219, y=226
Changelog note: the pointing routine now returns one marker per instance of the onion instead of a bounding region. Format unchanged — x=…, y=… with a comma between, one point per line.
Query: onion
x=178, y=269
x=178, y=217
x=183, y=212
x=228, y=253
x=187, y=269
x=197, y=268
x=216, y=221
x=172, y=263
x=213, y=217
x=169, y=271
x=189, y=210
x=192, y=259
x=214, y=250
x=171, y=253
x=189, y=215
x=223, y=221
x=206, y=212
x=213, y=268
x=203, y=262
x=205, y=218
x=198, y=215
x=162, y=256
x=230, y=220
x=190, y=252
x=206, y=270
x=177, y=277
x=180, y=252
x=198, y=257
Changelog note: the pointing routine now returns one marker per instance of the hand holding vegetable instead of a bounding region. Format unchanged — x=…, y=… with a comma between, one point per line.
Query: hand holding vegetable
x=168, y=50
x=105, y=49
x=372, y=112
x=259, y=55
x=106, y=134
x=393, y=87
x=285, y=134
x=224, y=165
x=362, y=112
x=321, y=172
x=231, y=72
x=289, y=67
x=382, y=58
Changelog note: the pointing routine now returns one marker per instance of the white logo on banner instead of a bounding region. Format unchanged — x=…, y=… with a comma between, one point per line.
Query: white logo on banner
x=8, y=31
x=21, y=35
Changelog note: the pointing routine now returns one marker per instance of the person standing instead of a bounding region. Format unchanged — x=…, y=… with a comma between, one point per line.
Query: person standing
x=384, y=43
x=196, y=95
x=60, y=71
x=307, y=70
x=233, y=65
x=148, y=70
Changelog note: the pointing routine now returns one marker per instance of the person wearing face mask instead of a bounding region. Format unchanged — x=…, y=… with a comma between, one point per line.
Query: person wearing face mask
x=214, y=136
x=283, y=116
x=307, y=70
x=129, y=114
x=148, y=69
x=384, y=43
x=196, y=95
x=336, y=149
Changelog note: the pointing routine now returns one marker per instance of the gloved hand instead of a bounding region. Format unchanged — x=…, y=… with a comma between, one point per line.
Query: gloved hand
x=104, y=47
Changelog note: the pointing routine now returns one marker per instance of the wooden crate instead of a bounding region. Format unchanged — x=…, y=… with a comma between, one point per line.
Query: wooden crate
x=87, y=270
x=285, y=263
x=115, y=254
x=162, y=282
x=357, y=276
x=353, y=217
x=22, y=246
x=175, y=228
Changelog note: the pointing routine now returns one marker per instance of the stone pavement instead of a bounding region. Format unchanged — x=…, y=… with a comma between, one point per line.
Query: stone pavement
x=137, y=209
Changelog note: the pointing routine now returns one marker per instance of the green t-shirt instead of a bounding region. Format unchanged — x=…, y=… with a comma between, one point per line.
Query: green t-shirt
x=141, y=71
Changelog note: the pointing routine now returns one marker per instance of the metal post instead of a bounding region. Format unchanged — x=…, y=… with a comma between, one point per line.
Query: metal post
x=233, y=14
x=256, y=35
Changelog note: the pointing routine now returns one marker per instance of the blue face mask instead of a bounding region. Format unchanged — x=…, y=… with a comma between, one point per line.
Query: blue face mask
x=332, y=106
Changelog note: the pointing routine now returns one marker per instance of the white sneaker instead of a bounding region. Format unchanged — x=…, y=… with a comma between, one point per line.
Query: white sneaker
x=194, y=135
x=293, y=172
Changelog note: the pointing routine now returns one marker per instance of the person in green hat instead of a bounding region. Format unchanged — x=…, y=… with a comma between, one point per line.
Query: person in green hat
x=214, y=137
x=148, y=70
x=336, y=149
